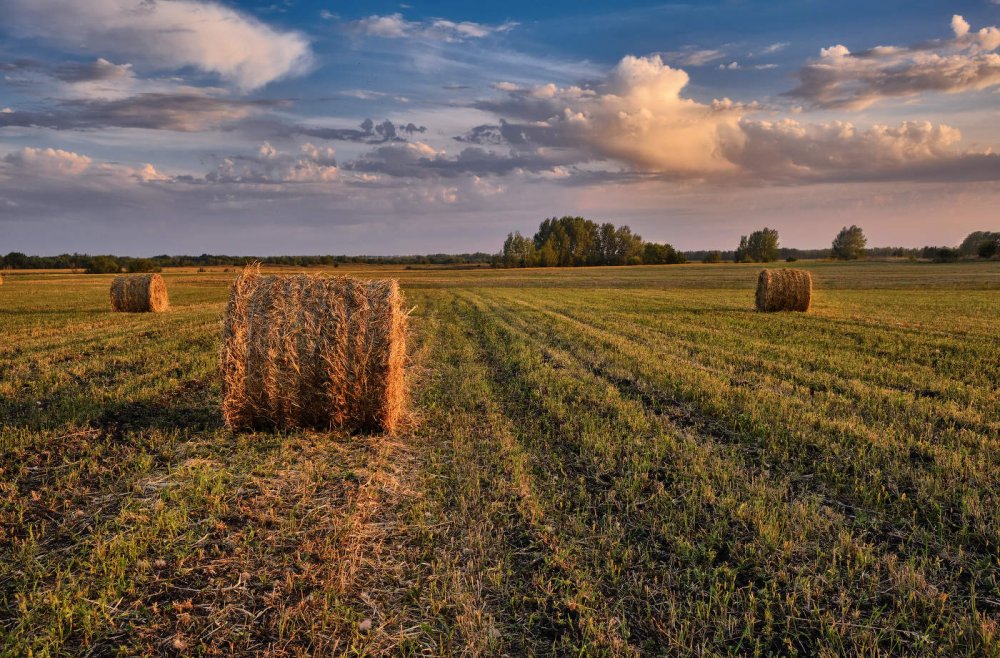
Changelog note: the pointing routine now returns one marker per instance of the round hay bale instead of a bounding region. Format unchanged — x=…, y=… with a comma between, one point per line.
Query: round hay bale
x=313, y=351
x=784, y=290
x=139, y=293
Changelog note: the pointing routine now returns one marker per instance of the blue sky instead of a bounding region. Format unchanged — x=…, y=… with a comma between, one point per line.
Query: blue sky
x=301, y=126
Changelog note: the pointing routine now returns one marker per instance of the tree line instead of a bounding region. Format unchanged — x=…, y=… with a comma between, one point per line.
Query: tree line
x=559, y=242
x=107, y=264
x=576, y=241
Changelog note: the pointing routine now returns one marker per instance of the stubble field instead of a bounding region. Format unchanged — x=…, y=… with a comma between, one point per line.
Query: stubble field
x=600, y=462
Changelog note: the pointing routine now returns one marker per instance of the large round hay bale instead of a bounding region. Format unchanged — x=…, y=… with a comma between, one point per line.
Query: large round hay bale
x=313, y=351
x=784, y=290
x=139, y=293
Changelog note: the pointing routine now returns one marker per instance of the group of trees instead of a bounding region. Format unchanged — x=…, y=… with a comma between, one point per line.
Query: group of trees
x=575, y=241
x=562, y=242
x=985, y=244
x=112, y=264
x=760, y=247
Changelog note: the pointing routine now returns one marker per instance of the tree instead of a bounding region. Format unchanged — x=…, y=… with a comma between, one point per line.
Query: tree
x=742, y=253
x=142, y=265
x=973, y=242
x=941, y=254
x=760, y=247
x=15, y=260
x=518, y=251
x=989, y=248
x=712, y=257
x=661, y=254
x=849, y=244
x=627, y=248
x=103, y=265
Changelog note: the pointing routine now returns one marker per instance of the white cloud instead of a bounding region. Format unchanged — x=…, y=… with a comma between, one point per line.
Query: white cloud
x=48, y=162
x=692, y=56
x=788, y=149
x=959, y=25
x=312, y=164
x=842, y=79
x=166, y=35
x=394, y=26
x=774, y=47
x=736, y=66
x=638, y=117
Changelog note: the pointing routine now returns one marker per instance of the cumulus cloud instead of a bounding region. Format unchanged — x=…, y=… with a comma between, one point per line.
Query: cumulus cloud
x=839, y=151
x=312, y=164
x=842, y=79
x=394, y=26
x=57, y=169
x=638, y=117
x=166, y=34
x=48, y=162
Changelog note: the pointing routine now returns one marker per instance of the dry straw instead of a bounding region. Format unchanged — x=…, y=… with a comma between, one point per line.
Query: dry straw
x=784, y=290
x=313, y=351
x=139, y=293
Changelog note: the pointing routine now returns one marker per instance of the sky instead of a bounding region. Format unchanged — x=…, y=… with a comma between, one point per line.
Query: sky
x=263, y=127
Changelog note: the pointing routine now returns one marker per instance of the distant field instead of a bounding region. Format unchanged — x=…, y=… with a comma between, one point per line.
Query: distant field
x=602, y=462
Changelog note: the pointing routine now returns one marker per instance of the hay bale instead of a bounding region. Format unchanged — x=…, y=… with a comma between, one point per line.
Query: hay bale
x=313, y=351
x=784, y=290
x=139, y=293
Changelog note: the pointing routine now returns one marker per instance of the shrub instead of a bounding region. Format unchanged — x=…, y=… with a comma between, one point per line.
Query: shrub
x=103, y=265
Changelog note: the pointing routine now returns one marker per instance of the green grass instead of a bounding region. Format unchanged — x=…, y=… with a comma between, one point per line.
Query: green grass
x=603, y=462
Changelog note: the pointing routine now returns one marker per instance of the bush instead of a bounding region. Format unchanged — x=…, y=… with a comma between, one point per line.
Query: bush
x=142, y=265
x=945, y=255
x=791, y=259
x=103, y=265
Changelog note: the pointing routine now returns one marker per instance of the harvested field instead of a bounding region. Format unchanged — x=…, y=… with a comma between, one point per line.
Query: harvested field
x=605, y=461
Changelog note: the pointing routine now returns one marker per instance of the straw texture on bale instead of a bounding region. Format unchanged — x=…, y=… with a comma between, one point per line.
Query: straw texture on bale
x=313, y=351
x=784, y=290
x=139, y=293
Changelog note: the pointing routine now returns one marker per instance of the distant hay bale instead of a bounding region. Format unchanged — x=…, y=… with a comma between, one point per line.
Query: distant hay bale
x=784, y=290
x=313, y=351
x=139, y=293
x=1, y=280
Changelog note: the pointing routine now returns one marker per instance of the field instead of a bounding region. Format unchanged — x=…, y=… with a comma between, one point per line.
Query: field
x=600, y=462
